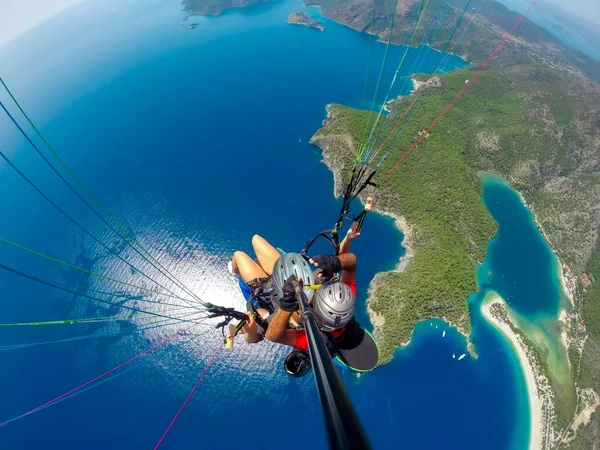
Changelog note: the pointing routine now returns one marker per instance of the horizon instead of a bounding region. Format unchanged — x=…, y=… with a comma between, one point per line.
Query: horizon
x=17, y=17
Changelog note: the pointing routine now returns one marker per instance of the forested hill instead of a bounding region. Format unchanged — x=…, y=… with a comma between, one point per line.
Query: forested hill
x=491, y=24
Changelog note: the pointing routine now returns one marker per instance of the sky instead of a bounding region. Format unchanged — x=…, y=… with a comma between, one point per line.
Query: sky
x=18, y=16
x=586, y=9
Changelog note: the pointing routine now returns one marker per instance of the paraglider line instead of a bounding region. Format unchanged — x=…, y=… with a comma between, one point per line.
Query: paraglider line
x=48, y=403
x=212, y=360
x=451, y=104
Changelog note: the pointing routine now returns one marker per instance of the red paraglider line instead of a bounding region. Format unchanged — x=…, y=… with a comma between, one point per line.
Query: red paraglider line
x=494, y=53
x=212, y=360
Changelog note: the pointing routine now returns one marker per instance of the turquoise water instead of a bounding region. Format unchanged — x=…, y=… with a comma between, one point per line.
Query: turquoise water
x=521, y=265
x=193, y=139
x=522, y=268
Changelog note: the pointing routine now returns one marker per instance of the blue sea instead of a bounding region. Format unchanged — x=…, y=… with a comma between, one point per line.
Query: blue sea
x=196, y=140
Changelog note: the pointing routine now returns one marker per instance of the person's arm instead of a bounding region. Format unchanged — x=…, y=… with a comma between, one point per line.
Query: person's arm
x=348, y=261
x=352, y=234
x=278, y=329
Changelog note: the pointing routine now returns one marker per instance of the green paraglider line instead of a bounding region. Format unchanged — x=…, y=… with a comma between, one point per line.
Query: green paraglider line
x=361, y=148
x=130, y=236
x=90, y=272
x=41, y=281
x=67, y=321
x=149, y=326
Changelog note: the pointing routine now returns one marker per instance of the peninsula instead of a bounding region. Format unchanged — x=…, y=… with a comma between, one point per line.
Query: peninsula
x=303, y=19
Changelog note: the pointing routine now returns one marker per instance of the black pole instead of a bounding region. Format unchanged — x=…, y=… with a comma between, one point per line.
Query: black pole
x=343, y=426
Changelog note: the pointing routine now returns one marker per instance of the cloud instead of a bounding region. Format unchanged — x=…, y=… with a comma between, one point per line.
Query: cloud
x=19, y=16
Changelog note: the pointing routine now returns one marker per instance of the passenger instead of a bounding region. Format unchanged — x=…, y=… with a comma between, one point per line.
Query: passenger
x=269, y=285
x=334, y=302
x=263, y=290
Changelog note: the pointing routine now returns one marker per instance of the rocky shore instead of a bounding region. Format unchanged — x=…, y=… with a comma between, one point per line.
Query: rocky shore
x=302, y=19
x=216, y=7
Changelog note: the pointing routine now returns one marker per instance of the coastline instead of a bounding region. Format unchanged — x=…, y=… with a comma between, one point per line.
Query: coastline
x=560, y=266
x=540, y=400
x=563, y=311
x=408, y=231
x=400, y=223
x=407, y=243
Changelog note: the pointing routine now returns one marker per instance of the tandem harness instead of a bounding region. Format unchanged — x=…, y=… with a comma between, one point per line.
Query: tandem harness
x=352, y=191
x=263, y=296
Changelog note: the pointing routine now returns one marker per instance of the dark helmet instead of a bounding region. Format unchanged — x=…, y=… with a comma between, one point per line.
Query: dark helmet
x=292, y=264
x=297, y=363
x=334, y=304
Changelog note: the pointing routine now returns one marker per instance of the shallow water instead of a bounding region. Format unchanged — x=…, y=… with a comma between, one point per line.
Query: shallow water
x=522, y=268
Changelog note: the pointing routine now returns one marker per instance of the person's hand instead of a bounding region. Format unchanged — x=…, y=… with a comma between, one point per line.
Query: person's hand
x=353, y=232
x=289, y=302
x=329, y=265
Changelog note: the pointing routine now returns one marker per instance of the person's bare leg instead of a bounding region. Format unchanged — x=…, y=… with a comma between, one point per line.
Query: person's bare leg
x=246, y=267
x=265, y=253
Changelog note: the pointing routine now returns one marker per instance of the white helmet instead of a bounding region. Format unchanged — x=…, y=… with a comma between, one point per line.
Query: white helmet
x=292, y=264
x=334, y=304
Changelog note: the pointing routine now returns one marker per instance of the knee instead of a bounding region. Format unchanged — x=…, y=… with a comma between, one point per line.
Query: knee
x=238, y=255
x=257, y=240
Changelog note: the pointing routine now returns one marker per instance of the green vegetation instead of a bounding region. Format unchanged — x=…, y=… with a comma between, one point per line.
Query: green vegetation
x=490, y=26
x=536, y=130
x=591, y=301
x=589, y=372
x=439, y=194
x=565, y=408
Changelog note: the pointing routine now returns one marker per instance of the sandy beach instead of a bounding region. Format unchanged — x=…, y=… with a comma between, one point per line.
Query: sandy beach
x=537, y=419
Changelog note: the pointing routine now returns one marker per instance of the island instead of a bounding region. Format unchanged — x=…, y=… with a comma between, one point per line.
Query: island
x=530, y=117
x=303, y=19
x=215, y=7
